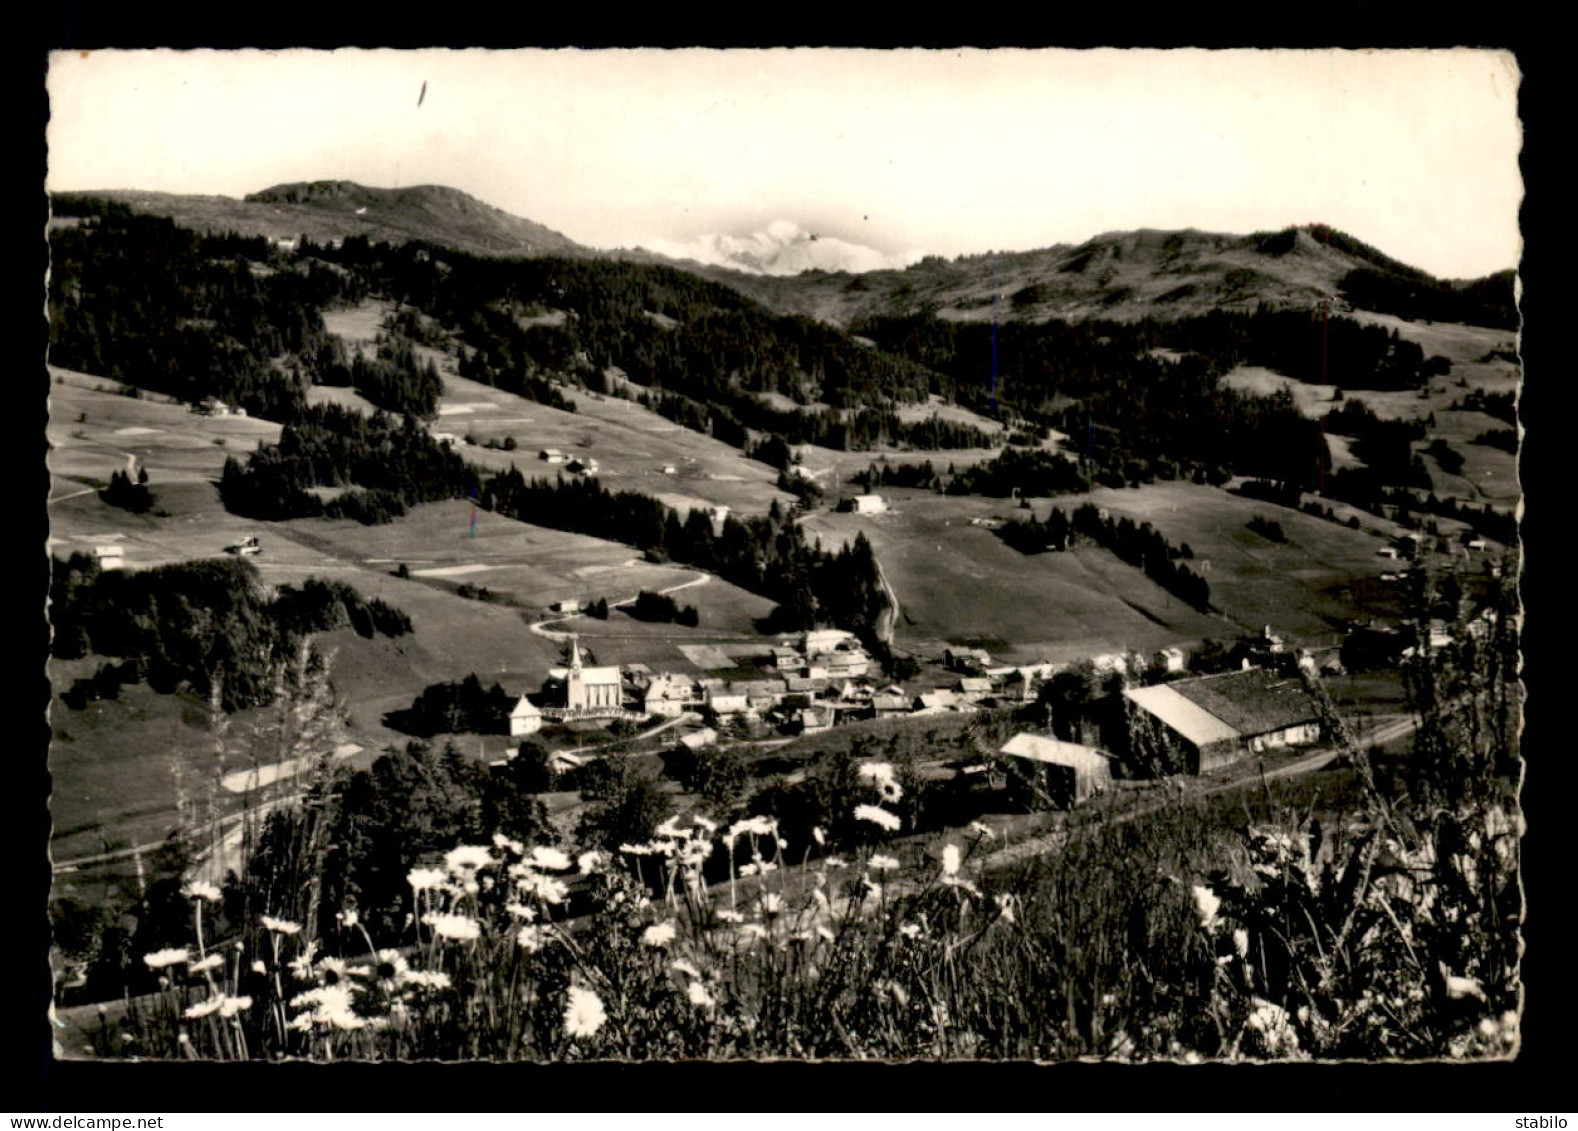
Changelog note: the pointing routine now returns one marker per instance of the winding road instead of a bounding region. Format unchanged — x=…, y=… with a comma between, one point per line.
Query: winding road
x=541, y=627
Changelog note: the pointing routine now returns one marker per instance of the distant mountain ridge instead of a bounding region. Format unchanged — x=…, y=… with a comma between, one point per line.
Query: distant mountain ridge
x=1115, y=275
x=333, y=210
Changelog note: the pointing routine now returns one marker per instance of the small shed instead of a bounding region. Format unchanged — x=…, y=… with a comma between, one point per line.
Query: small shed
x=1066, y=772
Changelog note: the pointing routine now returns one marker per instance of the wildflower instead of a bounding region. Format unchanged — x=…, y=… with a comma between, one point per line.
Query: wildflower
x=203, y=1008
x=1271, y=1021
x=589, y=861
x=423, y=879
x=637, y=849
x=159, y=959
x=545, y=888
x=530, y=939
x=258, y=967
x=910, y=930
x=230, y=1006
x=348, y=918
x=521, y=911
x=883, y=863
x=727, y=916
x=584, y=1014
x=686, y=968
x=550, y=858
x=878, y=816
x=702, y=822
x=1005, y=906
x=699, y=996
x=452, y=926
x=659, y=934
x=205, y=964
x=331, y=1005
x=818, y=835
x=332, y=971
x=426, y=979
x=758, y=867
x=670, y=828
x=515, y=846
x=467, y=858
x=772, y=903
x=1207, y=904
x=980, y=829
x=753, y=931
x=198, y=889
x=950, y=860
x=1241, y=942
x=391, y=966
x=835, y=862
x=280, y=926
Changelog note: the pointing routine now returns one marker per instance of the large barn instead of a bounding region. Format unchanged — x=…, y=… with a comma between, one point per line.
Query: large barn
x=1065, y=773
x=1218, y=719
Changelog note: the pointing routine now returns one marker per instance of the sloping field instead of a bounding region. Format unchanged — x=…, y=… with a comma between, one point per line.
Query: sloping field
x=956, y=582
x=1323, y=573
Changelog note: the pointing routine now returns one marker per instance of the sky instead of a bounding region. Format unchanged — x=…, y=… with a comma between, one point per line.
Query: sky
x=941, y=152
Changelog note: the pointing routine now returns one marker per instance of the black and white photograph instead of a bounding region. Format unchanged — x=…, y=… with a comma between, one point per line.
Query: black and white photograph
x=801, y=554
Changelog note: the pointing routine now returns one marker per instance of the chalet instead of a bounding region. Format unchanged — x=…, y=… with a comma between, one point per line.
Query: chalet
x=843, y=664
x=568, y=606
x=938, y=701
x=728, y=701
x=525, y=718
x=1218, y=719
x=1170, y=659
x=787, y=659
x=970, y=661
x=1065, y=773
x=870, y=504
x=553, y=455
x=888, y=706
x=974, y=688
x=761, y=695
x=670, y=696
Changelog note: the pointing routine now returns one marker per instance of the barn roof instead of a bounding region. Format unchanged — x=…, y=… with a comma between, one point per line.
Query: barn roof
x=1194, y=722
x=1054, y=751
x=1253, y=701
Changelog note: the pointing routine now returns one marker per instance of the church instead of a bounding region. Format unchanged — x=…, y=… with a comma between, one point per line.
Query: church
x=591, y=688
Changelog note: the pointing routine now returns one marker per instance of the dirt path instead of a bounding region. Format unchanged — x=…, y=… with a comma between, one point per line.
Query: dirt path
x=541, y=627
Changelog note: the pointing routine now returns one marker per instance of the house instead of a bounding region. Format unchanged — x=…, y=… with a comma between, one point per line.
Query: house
x=1217, y=719
x=525, y=718
x=814, y=720
x=974, y=687
x=870, y=504
x=761, y=695
x=728, y=701
x=565, y=606
x=842, y=664
x=553, y=455
x=1065, y=773
x=888, y=706
x=590, y=688
x=1170, y=659
x=787, y=659
x=110, y=557
x=970, y=661
x=670, y=696
x=445, y=438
